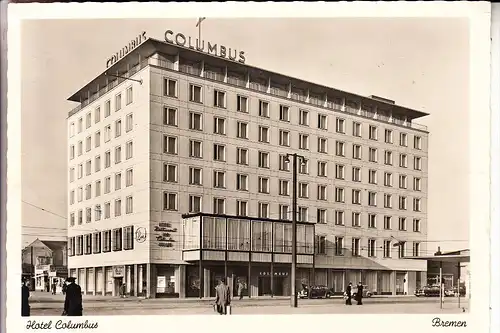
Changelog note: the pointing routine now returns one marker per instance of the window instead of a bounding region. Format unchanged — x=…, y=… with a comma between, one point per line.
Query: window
x=321, y=215
x=241, y=104
x=80, y=217
x=72, y=197
x=170, y=173
x=129, y=205
x=284, y=138
x=339, y=217
x=80, y=194
x=242, y=182
x=304, y=166
x=417, y=184
x=219, y=99
x=118, y=154
x=356, y=129
x=339, y=194
x=72, y=130
x=88, y=143
x=219, y=205
x=356, y=197
x=118, y=102
x=107, y=185
x=88, y=168
x=402, y=203
x=388, y=179
x=107, y=159
x=304, y=117
x=80, y=125
x=263, y=159
x=117, y=239
x=118, y=207
x=80, y=148
x=195, y=176
x=356, y=174
x=388, y=157
x=303, y=214
x=219, y=179
x=372, y=199
x=219, y=126
x=97, y=242
x=372, y=248
x=416, y=225
x=195, y=148
x=98, y=188
x=88, y=192
x=372, y=176
x=372, y=221
x=284, y=187
x=129, y=122
x=195, y=93
x=72, y=175
x=387, y=222
x=241, y=208
x=417, y=142
x=303, y=190
x=416, y=249
x=219, y=152
x=402, y=224
x=339, y=246
x=322, y=168
x=97, y=115
x=128, y=240
x=402, y=249
x=263, y=210
x=320, y=245
x=170, y=88
x=195, y=121
x=106, y=245
x=322, y=190
x=356, y=152
x=387, y=200
x=403, y=181
x=417, y=163
x=303, y=141
x=403, y=160
x=373, y=133
x=169, y=116
x=263, y=185
x=263, y=109
x=107, y=133
x=284, y=163
x=372, y=155
x=129, y=150
x=129, y=96
x=118, y=181
x=170, y=145
x=388, y=136
x=194, y=204
x=340, y=125
x=97, y=164
x=264, y=134
x=322, y=121
x=71, y=152
x=322, y=145
x=88, y=244
x=417, y=204
x=340, y=148
x=284, y=113
x=242, y=131
x=356, y=250
x=80, y=171
x=97, y=139
x=242, y=156
x=387, y=249
x=403, y=139
x=129, y=177
x=169, y=201
x=339, y=171
x=107, y=108
x=88, y=215
x=284, y=212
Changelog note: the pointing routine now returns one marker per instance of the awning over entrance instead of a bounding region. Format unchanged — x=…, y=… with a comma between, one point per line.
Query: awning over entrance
x=454, y=258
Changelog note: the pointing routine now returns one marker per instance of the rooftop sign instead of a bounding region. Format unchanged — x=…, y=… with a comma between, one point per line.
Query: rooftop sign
x=213, y=49
x=126, y=49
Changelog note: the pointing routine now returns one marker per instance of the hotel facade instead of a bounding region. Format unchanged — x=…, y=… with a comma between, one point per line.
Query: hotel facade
x=177, y=176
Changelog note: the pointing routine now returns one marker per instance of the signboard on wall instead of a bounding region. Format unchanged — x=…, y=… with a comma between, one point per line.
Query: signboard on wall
x=161, y=282
x=118, y=271
x=163, y=234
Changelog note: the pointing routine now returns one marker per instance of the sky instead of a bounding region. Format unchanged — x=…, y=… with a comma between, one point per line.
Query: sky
x=421, y=63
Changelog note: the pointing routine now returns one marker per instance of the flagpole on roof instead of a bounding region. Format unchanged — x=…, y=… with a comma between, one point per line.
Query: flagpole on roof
x=198, y=24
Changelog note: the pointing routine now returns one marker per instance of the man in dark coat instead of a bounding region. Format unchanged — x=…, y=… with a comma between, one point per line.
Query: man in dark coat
x=348, y=294
x=25, y=303
x=222, y=297
x=73, y=301
x=359, y=294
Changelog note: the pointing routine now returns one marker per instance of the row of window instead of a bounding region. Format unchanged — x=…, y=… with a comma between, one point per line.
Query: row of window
x=78, y=127
x=171, y=146
x=78, y=149
x=220, y=125
x=77, y=217
x=101, y=242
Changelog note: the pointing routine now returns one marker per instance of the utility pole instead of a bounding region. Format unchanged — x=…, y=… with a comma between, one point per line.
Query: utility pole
x=198, y=24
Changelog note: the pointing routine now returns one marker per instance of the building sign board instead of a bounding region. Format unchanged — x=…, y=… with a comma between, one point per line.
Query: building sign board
x=118, y=271
x=126, y=49
x=163, y=234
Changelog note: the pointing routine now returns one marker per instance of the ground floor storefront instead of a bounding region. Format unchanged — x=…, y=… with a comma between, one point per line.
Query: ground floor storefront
x=256, y=279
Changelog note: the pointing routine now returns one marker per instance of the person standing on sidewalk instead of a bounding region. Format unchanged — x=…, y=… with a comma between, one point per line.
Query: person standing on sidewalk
x=241, y=286
x=123, y=290
x=348, y=294
x=25, y=299
x=359, y=294
x=73, y=301
x=222, y=297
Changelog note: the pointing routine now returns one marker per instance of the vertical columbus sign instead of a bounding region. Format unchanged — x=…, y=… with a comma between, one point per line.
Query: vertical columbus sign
x=126, y=49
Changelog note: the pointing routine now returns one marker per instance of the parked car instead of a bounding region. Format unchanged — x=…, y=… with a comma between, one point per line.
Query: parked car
x=428, y=291
x=316, y=292
x=366, y=292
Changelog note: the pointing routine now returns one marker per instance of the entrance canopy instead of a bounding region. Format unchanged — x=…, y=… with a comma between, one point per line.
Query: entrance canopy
x=453, y=258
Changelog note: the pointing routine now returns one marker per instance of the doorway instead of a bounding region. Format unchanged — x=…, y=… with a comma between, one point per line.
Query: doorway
x=118, y=283
x=265, y=286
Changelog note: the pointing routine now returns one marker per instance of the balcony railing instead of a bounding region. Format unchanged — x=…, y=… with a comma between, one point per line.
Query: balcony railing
x=236, y=81
x=298, y=97
x=189, y=69
x=214, y=76
x=279, y=92
x=258, y=87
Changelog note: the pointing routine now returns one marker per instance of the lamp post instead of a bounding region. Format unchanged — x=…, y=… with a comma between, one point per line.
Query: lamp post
x=294, y=157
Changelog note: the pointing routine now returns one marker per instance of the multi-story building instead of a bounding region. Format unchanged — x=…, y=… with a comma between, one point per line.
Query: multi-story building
x=169, y=130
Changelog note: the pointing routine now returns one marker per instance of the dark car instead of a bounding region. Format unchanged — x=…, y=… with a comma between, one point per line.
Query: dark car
x=316, y=292
x=366, y=293
x=428, y=291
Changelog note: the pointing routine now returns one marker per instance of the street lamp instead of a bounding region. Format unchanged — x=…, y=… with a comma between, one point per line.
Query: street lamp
x=294, y=157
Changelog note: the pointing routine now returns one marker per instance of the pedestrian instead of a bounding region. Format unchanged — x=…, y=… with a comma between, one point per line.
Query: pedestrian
x=64, y=287
x=54, y=285
x=241, y=286
x=359, y=294
x=73, y=301
x=348, y=294
x=25, y=296
x=123, y=290
x=222, y=297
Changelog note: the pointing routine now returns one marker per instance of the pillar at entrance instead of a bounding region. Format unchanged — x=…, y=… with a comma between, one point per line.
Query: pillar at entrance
x=148, y=280
x=84, y=282
x=104, y=280
x=135, y=288
x=393, y=283
x=95, y=281
x=206, y=282
x=180, y=280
